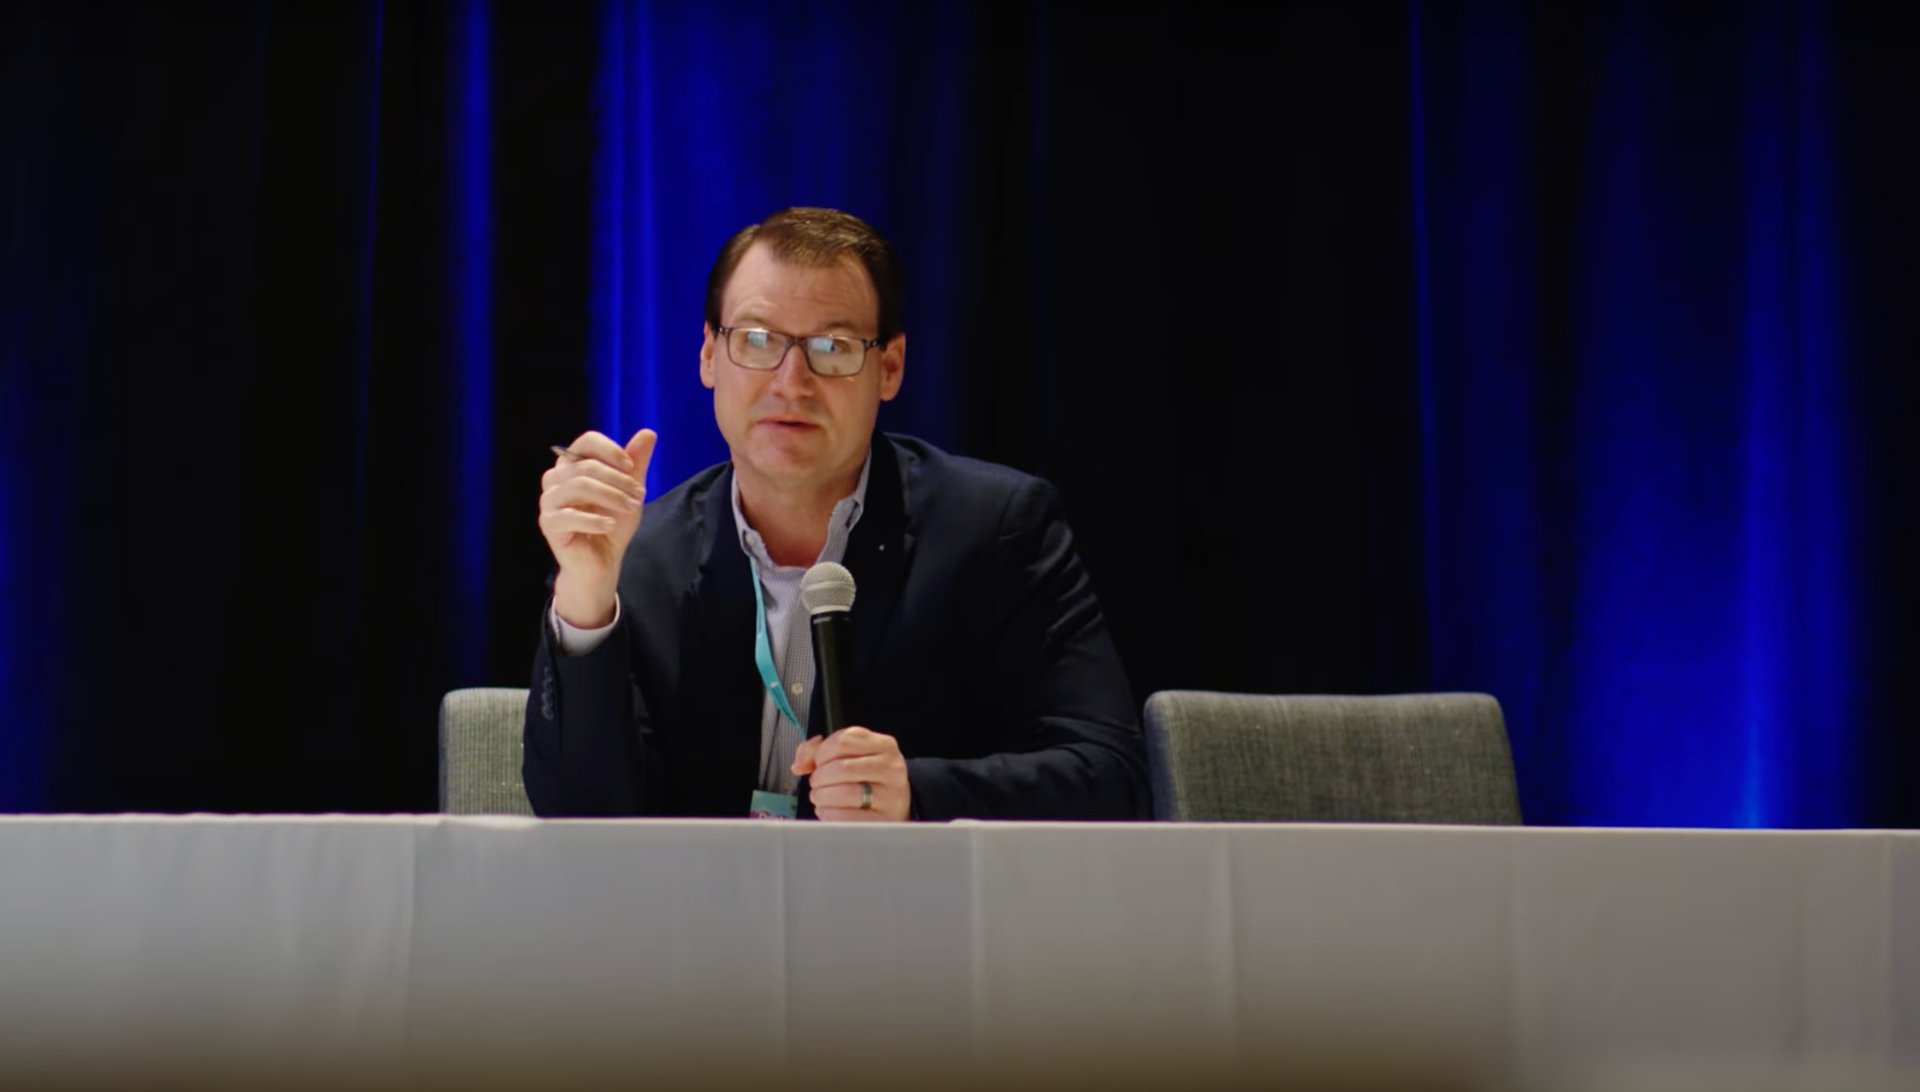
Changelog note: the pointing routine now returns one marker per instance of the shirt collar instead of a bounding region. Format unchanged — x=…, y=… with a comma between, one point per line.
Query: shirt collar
x=846, y=513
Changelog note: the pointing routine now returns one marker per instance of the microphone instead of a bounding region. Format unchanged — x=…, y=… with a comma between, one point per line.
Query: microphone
x=827, y=593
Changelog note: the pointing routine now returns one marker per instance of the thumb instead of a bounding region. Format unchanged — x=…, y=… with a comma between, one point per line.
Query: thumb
x=640, y=450
x=803, y=755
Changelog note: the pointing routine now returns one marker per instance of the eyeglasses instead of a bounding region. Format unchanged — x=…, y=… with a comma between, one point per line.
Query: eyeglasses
x=831, y=355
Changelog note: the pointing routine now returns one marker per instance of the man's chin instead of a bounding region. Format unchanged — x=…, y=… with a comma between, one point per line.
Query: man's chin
x=789, y=459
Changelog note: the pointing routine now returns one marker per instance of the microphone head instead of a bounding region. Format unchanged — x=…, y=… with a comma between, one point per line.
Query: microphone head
x=827, y=586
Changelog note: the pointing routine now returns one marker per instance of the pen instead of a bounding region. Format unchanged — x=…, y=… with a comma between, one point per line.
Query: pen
x=565, y=453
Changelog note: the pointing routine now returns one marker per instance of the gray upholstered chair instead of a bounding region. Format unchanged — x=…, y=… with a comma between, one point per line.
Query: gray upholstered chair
x=1412, y=758
x=480, y=752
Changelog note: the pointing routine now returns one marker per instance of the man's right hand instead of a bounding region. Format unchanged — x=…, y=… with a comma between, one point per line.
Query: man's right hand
x=589, y=510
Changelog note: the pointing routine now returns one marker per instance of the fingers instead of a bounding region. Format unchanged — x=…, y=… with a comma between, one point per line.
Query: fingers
x=852, y=742
x=890, y=801
x=597, y=445
x=575, y=521
x=849, y=742
x=567, y=470
x=591, y=500
x=585, y=490
x=597, y=491
x=846, y=796
x=852, y=771
x=837, y=766
x=843, y=762
x=851, y=815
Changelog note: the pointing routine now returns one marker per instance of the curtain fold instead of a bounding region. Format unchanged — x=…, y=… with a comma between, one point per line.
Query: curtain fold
x=1564, y=354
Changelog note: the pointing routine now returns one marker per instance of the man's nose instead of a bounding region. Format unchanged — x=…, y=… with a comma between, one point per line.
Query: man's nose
x=792, y=374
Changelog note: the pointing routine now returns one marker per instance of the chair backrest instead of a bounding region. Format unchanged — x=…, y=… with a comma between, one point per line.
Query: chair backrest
x=480, y=752
x=1410, y=758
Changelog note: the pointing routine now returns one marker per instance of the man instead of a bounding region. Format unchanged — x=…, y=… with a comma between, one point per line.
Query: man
x=675, y=670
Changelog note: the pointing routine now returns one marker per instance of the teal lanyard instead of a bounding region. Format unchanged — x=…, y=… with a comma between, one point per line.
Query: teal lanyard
x=763, y=651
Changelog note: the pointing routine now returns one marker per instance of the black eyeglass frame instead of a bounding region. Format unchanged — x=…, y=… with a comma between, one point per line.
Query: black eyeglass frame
x=867, y=345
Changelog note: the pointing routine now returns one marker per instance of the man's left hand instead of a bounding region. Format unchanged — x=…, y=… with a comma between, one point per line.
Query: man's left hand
x=841, y=762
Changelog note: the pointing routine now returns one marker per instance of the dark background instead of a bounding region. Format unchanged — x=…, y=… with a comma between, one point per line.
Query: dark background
x=1563, y=352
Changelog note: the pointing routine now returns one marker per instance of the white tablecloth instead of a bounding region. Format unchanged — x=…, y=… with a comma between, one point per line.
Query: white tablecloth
x=768, y=943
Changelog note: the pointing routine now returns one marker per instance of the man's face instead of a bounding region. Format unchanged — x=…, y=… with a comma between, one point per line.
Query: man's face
x=792, y=430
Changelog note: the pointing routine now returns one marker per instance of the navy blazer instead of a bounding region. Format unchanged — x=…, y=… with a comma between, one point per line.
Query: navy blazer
x=976, y=642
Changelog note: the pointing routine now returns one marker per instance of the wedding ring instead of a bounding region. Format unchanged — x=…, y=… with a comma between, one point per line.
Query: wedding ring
x=866, y=796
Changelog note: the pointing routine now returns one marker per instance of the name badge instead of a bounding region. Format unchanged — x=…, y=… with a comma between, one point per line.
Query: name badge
x=773, y=805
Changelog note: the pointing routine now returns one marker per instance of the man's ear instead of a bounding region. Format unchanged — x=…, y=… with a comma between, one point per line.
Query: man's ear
x=707, y=347
x=893, y=366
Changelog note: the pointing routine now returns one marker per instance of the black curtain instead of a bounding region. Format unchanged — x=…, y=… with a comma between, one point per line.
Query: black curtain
x=1191, y=293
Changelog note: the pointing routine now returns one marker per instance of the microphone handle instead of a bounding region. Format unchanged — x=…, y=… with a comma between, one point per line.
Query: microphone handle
x=830, y=641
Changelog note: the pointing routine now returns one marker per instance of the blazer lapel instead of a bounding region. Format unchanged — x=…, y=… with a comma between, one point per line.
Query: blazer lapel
x=878, y=554
x=721, y=684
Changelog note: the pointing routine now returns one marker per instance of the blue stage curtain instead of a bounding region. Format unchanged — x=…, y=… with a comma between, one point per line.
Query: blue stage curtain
x=1562, y=352
x=1639, y=499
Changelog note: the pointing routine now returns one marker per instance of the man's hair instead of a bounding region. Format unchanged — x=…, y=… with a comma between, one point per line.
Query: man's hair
x=815, y=238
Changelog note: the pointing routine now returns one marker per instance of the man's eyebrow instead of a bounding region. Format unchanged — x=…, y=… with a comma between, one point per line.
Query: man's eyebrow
x=750, y=317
